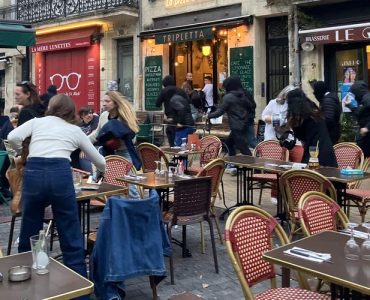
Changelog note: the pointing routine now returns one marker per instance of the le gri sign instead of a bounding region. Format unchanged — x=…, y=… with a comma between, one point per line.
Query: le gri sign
x=340, y=34
x=184, y=35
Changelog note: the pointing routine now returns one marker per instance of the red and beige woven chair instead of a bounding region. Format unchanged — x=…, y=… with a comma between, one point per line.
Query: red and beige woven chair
x=211, y=147
x=360, y=197
x=215, y=169
x=150, y=153
x=272, y=150
x=349, y=155
x=249, y=233
x=293, y=184
x=318, y=212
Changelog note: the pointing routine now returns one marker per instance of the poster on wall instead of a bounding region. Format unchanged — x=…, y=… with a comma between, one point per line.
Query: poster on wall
x=152, y=81
x=74, y=72
x=241, y=64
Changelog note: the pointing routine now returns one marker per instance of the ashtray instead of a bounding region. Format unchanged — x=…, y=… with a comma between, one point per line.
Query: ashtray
x=19, y=273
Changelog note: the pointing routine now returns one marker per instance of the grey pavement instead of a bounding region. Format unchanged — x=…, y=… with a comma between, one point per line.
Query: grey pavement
x=195, y=274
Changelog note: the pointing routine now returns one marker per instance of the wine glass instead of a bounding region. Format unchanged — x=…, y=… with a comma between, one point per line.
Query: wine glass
x=352, y=249
x=157, y=171
x=365, y=247
x=183, y=143
x=77, y=180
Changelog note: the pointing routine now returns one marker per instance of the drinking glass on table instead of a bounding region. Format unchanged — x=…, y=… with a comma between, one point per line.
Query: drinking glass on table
x=352, y=249
x=313, y=162
x=365, y=247
x=77, y=180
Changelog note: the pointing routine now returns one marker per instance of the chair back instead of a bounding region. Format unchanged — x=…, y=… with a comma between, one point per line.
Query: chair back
x=294, y=183
x=192, y=199
x=248, y=234
x=211, y=147
x=150, y=153
x=318, y=212
x=215, y=169
x=117, y=166
x=348, y=155
x=272, y=150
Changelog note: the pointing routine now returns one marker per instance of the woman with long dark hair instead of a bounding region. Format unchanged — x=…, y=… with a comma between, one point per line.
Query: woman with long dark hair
x=48, y=180
x=309, y=127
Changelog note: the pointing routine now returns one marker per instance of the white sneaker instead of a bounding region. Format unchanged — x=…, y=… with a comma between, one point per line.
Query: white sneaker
x=274, y=200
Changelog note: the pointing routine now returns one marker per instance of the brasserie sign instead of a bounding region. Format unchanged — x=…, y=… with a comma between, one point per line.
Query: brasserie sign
x=205, y=33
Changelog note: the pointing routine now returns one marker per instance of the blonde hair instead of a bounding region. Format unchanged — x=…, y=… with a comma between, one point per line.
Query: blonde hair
x=125, y=110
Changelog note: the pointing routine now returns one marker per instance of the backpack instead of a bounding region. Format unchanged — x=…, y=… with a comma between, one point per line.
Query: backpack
x=198, y=99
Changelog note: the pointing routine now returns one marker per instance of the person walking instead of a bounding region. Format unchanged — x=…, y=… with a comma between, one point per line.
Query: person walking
x=208, y=91
x=164, y=98
x=238, y=104
x=309, y=127
x=26, y=95
x=362, y=112
x=330, y=108
x=48, y=179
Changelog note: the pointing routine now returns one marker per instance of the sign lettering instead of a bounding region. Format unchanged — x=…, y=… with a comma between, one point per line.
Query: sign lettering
x=152, y=81
x=62, y=45
x=241, y=64
x=183, y=36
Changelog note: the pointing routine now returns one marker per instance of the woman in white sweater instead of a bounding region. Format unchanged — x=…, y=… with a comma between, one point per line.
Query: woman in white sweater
x=48, y=177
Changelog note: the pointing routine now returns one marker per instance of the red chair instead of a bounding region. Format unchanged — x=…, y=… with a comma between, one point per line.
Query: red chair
x=293, y=184
x=271, y=150
x=248, y=234
x=150, y=153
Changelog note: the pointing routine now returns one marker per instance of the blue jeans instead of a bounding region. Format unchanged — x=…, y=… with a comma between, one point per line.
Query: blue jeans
x=251, y=136
x=49, y=181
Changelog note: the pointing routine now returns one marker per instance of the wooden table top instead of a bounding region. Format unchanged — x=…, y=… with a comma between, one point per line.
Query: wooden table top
x=257, y=162
x=105, y=189
x=150, y=181
x=60, y=283
x=179, y=151
x=343, y=272
x=334, y=174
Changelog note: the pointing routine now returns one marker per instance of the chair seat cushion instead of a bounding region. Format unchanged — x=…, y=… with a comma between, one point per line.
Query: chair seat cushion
x=264, y=177
x=290, y=294
x=358, y=193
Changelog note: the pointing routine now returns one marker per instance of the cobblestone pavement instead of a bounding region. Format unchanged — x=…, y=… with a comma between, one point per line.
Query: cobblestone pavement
x=195, y=274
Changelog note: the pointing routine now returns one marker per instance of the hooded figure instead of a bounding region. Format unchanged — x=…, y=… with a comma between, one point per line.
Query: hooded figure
x=362, y=95
x=164, y=98
x=50, y=92
x=330, y=108
x=239, y=106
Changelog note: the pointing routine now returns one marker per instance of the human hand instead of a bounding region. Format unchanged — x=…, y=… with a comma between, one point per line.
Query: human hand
x=364, y=131
x=82, y=155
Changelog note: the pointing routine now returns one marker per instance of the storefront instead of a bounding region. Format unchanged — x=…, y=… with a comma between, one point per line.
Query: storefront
x=70, y=60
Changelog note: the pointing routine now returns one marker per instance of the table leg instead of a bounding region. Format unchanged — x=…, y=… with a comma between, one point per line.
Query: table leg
x=285, y=277
x=333, y=291
x=280, y=209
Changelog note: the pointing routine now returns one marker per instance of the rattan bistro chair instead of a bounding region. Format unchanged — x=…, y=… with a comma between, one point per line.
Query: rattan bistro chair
x=293, y=184
x=272, y=150
x=192, y=198
x=249, y=233
x=150, y=153
x=318, y=212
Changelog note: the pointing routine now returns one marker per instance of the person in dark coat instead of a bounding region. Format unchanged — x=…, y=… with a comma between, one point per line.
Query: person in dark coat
x=26, y=95
x=330, y=108
x=164, y=98
x=310, y=128
x=362, y=112
x=239, y=106
x=50, y=92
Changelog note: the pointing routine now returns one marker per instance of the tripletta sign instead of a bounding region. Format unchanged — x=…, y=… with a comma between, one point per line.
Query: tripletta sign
x=339, y=34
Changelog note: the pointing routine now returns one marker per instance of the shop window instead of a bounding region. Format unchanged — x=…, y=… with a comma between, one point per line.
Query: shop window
x=125, y=67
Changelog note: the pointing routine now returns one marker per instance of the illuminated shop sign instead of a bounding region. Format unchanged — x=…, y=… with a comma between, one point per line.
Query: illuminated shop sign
x=184, y=36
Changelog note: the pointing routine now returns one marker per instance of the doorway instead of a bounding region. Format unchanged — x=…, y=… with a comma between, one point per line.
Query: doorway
x=125, y=67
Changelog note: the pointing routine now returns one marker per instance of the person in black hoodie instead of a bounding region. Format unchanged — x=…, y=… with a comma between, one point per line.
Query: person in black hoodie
x=239, y=106
x=362, y=112
x=309, y=127
x=330, y=108
x=164, y=98
x=50, y=92
x=26, y=95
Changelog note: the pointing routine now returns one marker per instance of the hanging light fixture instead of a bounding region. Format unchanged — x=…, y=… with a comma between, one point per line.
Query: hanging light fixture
x=180, y=59
x=206, y=50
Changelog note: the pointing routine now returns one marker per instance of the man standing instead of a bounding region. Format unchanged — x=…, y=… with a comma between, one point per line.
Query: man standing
x=208, y=91
x=187, y=85
x=330, y=108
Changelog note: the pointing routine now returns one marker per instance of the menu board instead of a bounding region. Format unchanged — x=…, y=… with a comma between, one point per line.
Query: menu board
x=152, y=81
x=241, y=64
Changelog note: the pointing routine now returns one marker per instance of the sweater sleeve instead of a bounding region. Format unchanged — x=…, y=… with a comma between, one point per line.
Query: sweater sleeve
x=19, y=134
x=102, y=120
x=24, y=116
x=267, y=111
x=88, y=148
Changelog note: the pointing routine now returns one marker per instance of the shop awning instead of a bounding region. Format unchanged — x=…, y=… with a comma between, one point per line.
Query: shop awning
x=13, y=35
x=336, y=34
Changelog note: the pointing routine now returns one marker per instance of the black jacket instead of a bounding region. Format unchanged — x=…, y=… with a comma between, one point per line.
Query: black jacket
x=29, y=112
x=182, y=112
x=331, y=110
x=166, y=94
x=311, y=131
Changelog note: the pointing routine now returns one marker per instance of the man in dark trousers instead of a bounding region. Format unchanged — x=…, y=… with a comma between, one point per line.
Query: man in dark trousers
x=239, y=105
x=164, y=98
x=330, y=108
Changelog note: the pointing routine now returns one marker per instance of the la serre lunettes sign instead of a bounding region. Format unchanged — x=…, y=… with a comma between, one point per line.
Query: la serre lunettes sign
x=205, y=33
